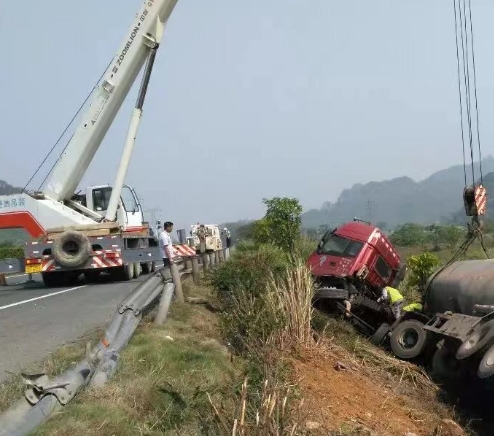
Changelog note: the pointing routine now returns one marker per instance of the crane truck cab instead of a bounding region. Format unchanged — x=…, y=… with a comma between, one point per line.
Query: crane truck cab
x=129, y=211
x=350, y=264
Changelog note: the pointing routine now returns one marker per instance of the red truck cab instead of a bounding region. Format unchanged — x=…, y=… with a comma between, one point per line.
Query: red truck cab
x=354, y=258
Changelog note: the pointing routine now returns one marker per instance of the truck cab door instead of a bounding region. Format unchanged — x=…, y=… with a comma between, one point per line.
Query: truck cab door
x=133, y=210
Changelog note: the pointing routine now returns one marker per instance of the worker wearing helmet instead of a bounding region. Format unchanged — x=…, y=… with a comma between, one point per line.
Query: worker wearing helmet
x=393, y=297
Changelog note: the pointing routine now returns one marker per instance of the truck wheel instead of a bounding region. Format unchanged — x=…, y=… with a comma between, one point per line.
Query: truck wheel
x=444, y=365
x=146, y=267
x=137, y=269
x=92, y=276
x=52, y=279
x=378, y=337
x=486, y=365
x=124, y=273
x=71, y=249
x=478, y=340
x=408, y=339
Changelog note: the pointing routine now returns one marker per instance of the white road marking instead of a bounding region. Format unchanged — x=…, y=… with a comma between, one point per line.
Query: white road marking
x=40, y=298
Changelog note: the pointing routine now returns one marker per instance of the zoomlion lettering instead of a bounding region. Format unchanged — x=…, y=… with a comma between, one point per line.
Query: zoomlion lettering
x=134, y=33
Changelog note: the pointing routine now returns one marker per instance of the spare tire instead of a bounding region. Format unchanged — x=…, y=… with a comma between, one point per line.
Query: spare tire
x=71, y=249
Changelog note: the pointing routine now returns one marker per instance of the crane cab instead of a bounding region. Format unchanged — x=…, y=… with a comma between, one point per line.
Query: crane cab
x=129, y=211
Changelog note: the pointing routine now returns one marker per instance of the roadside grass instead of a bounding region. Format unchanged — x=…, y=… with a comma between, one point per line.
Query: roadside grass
x=57, y=362
x=167, y=378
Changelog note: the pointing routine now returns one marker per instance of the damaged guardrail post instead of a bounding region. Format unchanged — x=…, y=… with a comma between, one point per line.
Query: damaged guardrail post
x=195, y=269
x=177, y=282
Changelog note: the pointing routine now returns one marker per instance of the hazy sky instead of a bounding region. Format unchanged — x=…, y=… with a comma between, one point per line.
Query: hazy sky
x=248, y=99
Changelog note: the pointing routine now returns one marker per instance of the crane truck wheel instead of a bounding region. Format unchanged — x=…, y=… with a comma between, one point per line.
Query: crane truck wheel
x=408, y=339
x=480, y=338
x=71, y=249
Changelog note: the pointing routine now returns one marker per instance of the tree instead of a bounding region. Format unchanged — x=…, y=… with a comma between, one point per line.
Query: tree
x=246, y=231
x=450, y=235
x=421, y=267
x=281, y=224
x=408, y=235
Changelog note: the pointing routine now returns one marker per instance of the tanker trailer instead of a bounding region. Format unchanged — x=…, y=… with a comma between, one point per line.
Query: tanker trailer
x=455, y=299
x=459, y=300
x=465, y=287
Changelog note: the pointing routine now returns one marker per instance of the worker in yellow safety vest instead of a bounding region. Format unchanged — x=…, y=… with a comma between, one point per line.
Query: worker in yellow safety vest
x=393, y=297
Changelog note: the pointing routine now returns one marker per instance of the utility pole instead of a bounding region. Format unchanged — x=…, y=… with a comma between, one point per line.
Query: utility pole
x=152, y=212
x=370, y=210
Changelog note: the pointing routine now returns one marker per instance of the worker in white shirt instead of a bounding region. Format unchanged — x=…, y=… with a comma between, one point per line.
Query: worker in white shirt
x=165, y=244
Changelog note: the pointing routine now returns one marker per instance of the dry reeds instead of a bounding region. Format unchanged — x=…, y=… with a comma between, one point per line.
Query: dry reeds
x=290, y=298
x=271, y=418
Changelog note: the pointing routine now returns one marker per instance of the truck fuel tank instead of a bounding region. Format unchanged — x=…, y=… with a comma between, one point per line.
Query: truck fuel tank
x=460, y=286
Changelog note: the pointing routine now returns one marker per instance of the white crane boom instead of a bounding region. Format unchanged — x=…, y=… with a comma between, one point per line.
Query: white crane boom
x=143, y=36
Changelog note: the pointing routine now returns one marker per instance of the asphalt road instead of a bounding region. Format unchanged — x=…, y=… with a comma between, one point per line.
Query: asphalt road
x=35, y=320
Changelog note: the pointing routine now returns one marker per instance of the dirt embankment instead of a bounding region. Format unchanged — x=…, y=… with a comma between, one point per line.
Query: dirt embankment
x=350, y=397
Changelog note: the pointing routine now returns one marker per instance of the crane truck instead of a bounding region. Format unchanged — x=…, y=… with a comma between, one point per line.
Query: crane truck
x=102, y=228
x=206, y=238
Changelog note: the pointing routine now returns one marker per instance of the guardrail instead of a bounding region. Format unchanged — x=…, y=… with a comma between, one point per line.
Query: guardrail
x=44, y=396
x=15, y=267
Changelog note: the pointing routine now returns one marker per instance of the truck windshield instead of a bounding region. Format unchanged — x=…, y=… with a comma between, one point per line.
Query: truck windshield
x=336, y=245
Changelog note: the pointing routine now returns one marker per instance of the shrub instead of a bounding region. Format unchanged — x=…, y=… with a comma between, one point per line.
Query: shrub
x=249, y=269
x=11, y=252
x=279, y=313
x=282, y=223
x=421, y=267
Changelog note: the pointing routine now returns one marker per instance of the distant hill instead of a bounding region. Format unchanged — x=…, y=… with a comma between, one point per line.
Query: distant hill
x=6, y=189
x=389, y=203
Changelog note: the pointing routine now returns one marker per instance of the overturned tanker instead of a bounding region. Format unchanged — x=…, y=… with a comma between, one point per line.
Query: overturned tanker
x=459, y=299
x=465, y=287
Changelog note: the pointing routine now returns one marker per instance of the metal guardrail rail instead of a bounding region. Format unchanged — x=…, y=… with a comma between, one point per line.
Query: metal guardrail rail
x=44, y=396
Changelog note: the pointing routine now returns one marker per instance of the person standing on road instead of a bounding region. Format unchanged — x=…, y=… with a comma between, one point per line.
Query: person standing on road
x=165, y=244
x=393, y=297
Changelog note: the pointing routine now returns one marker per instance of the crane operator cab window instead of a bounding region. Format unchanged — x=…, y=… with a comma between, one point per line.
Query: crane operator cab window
x=129, y=200
x=101, y=199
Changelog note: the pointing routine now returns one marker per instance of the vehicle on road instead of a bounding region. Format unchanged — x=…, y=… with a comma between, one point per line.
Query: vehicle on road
x=206, y=237
x=100, y=228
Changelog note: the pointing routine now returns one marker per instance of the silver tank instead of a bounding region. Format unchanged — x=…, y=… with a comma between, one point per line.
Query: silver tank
x=460, y=286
